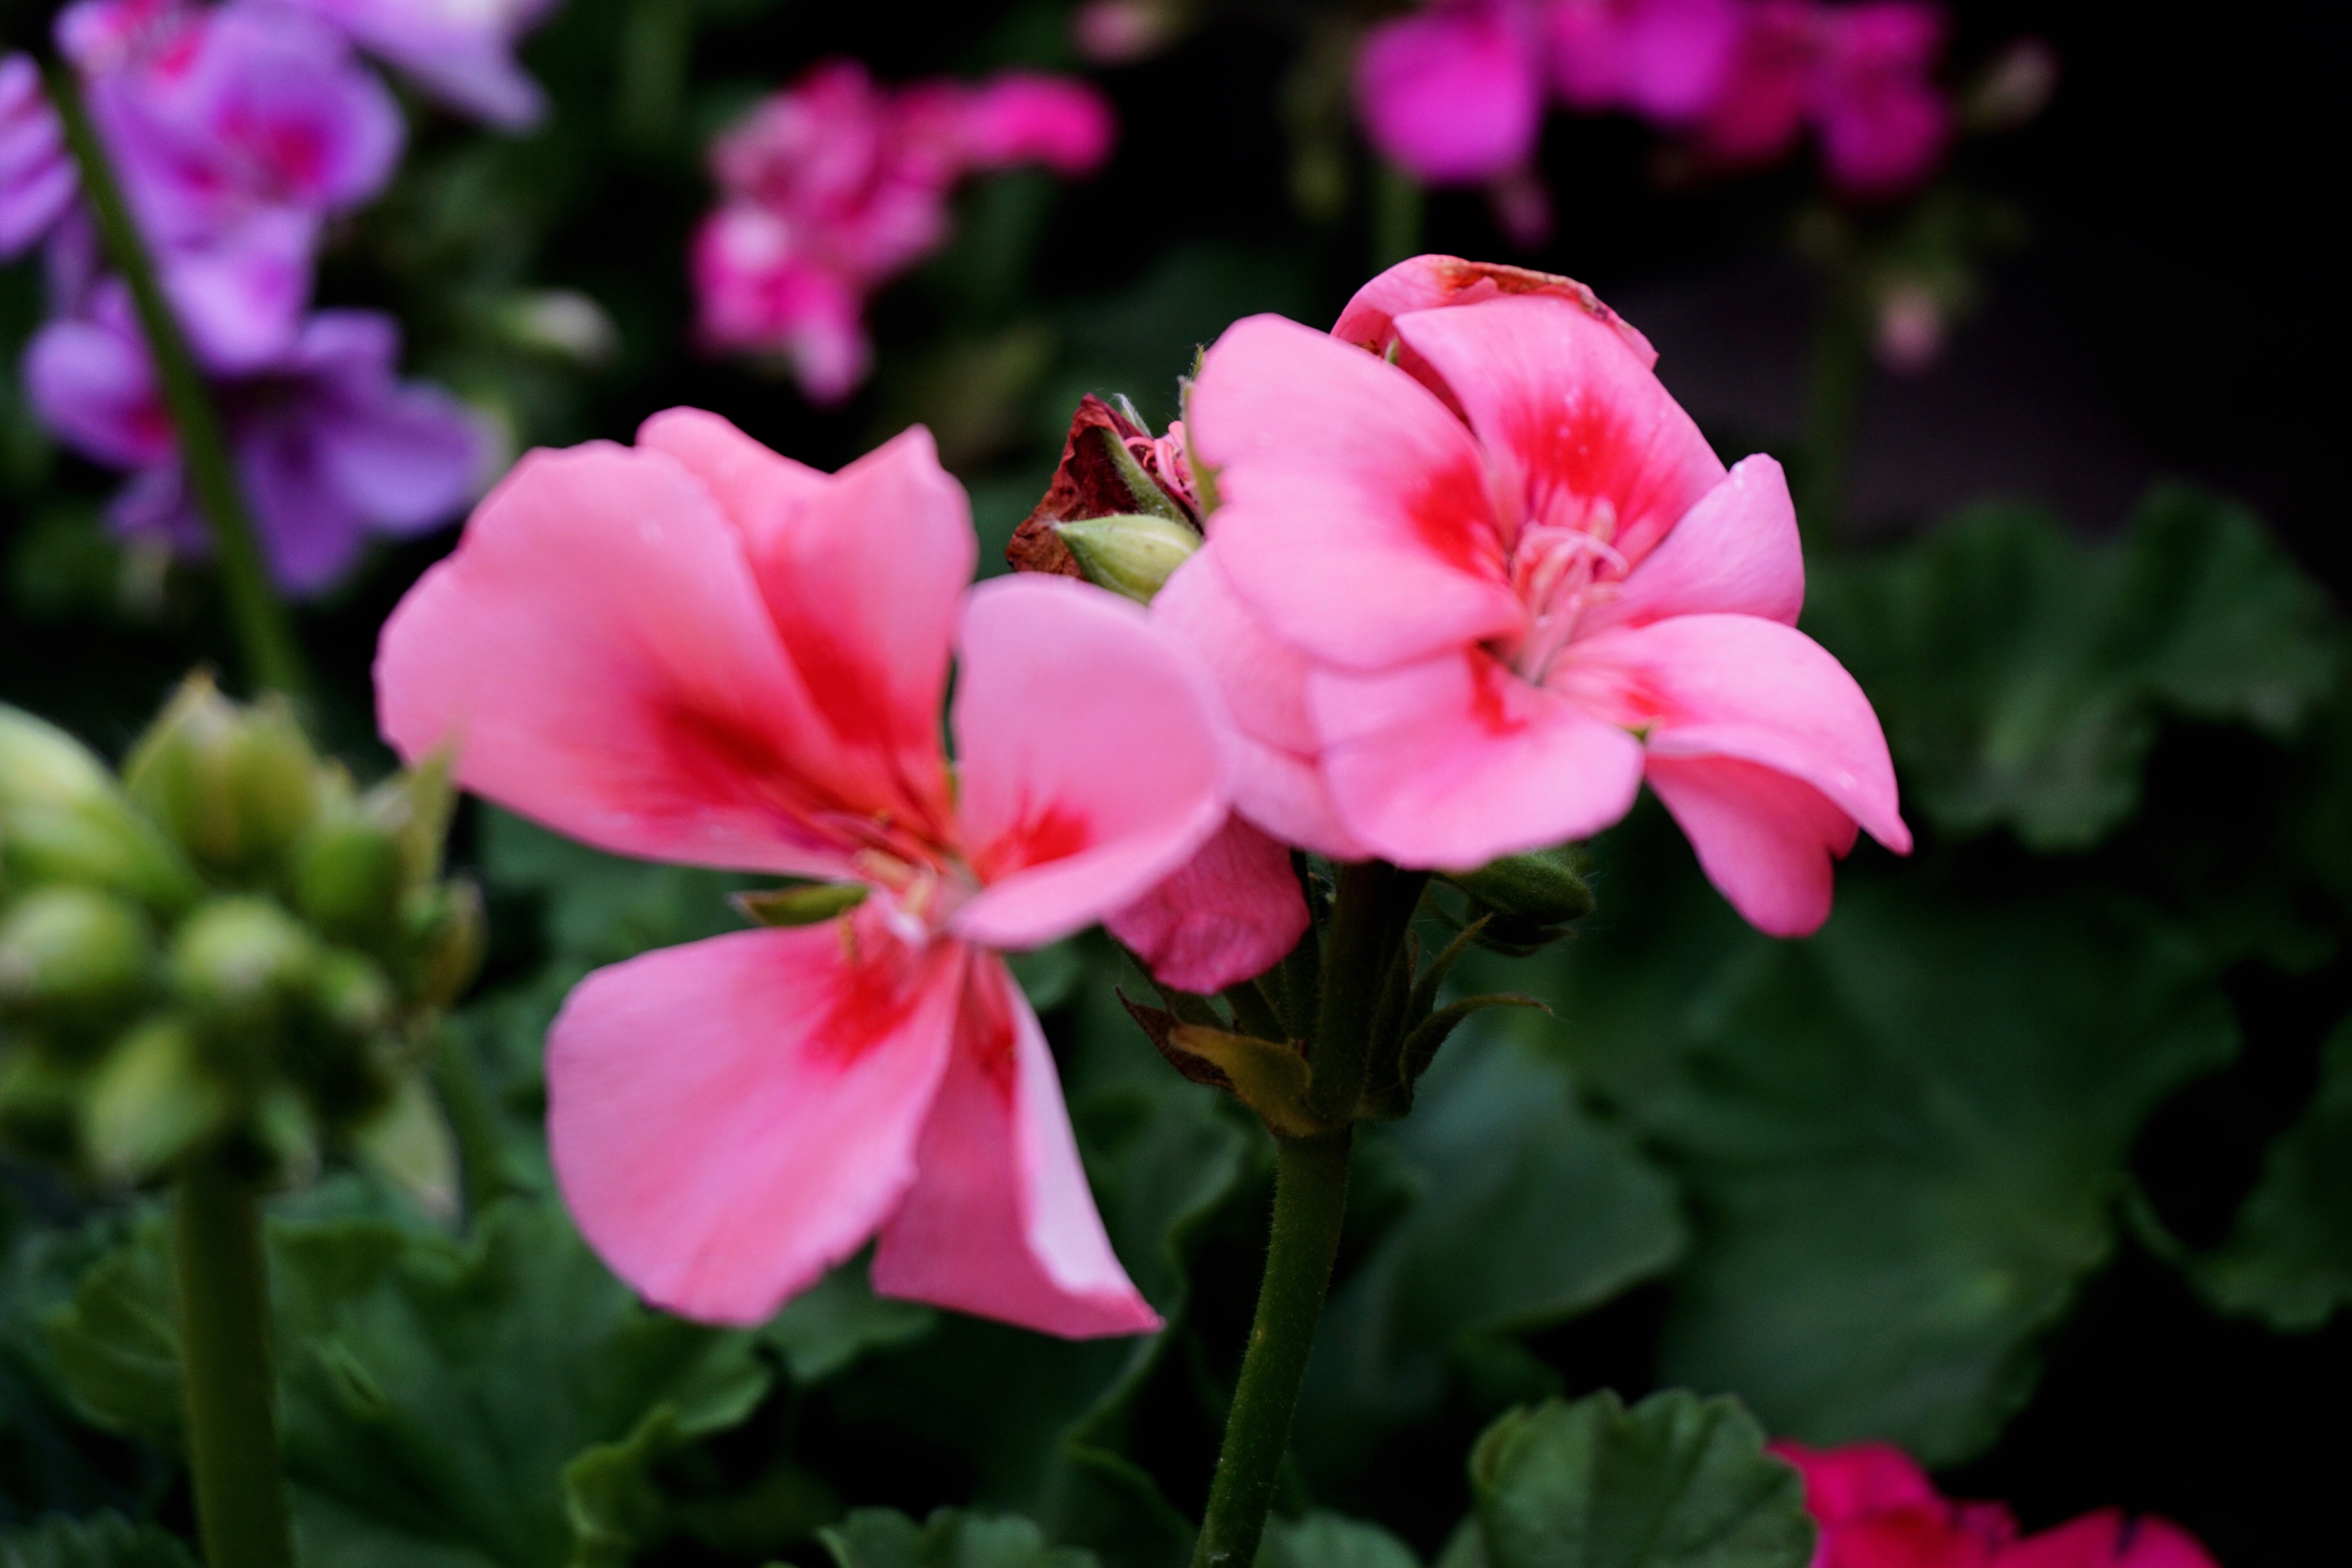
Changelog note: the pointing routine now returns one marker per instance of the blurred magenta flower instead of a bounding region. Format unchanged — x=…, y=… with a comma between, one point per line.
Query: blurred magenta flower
x=37, y=176
x=1876, y=1509
x=237, y=131
x=332, y=445
x=1454, y=94
x=1517, y=582
x=698, y=650
x=460, y=51
x=835, y=185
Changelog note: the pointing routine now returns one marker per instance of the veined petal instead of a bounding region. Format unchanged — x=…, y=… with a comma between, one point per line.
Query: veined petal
x=1571, y=418
x=999, y=1221
x=1740, y=686
x=1455, y=761
x=598, y=650
x=1091, y=750
x=1734, y=552
x=729, y=1119
x=861, y=571
x=1264, y=682
x=1228, y=914
x=1765, y=839
x=1355, y=513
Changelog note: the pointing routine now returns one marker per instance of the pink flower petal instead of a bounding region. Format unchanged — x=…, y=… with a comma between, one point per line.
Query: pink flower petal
x=1740, y=686
x=1859, y=1478
x=1264, y=681
x=1229, y=914
x=1432, y=282
x=1455, y=761
x=729, y=1119
x=1452, y=94
x=1734, y=552
x=999, y=1221
x=597, y=649
x=861, y=571
x=1571, y=418
x=1091, y=750
x=1355, y=513
x=2108, y=1539
x=1766, y=841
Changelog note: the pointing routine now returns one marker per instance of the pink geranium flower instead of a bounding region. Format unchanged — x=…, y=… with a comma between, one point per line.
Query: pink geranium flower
x=1876, y=1509
x=1454, y=93
x=1502, y=580
x=698, y=650
x=836, y=184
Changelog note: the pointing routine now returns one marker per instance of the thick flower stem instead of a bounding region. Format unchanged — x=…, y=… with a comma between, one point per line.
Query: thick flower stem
x=1310, y=1201
x=265, y=633
x=225, y=1381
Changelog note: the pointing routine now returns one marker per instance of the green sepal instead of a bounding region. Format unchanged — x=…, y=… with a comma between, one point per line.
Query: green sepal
x=1151, y=498
x=1543, y=889
x=151, y=1102
x=1268, y=1077
x=234, y=788
x=1421, y=1042
x=74, y=963
x=809, y=904
x=64, y=819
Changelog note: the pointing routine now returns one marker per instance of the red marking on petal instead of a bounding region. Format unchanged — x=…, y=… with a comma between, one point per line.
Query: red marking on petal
x=1451, y=514
x=883, y=979
x=1492, y=699
x=1050, y=833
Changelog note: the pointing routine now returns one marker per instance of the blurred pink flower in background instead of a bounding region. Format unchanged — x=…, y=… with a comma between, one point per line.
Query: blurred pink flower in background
x=1454, y=94
x=332, y=445
x=36, y=178
x=837, y=183
x=1876, y=1509
x=1514, y=583
x=701, y=651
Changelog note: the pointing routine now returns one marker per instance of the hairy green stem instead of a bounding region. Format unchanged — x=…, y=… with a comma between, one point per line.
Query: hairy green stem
x=1310, y=1201
x=225, y=1382
x=265, y=633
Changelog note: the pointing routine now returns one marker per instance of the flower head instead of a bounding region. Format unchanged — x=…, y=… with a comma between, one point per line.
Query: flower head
x=837, y=183
x=460, y=51
x=37, y=178
x=332, y=445
x=708, y=653
x=1468, y=589
x=1876, y=1509
x=1454, y=93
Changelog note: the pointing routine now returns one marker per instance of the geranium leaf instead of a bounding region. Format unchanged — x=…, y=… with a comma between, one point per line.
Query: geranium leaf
x=951, y=1538
x=101, y=1540
x=2289, y=1260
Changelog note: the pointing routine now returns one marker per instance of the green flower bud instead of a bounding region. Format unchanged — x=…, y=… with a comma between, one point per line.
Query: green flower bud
x=74, y=962
x=1546, y=887
x=414, y=805
x=150, y=1102
x=448, y=932
x=63, y=820
x=1131, y=554
x=409, y=1144
x=346, y=1055
x=236, y=787
x=40, y=1107
x=286, y=1135
x=347, y=880
x=243, y=968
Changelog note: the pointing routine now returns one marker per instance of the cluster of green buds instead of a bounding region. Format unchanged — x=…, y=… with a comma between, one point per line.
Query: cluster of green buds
x=231, y=949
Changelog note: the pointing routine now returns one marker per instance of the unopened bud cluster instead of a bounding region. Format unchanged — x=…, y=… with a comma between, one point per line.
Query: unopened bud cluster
x=232, y=946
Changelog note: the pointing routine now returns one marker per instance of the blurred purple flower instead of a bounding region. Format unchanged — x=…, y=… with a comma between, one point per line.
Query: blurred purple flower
x=36, y=178
x=835, y=185
x=460, y=51
x=331, y=445
x=1665, y=60
x=236, y=132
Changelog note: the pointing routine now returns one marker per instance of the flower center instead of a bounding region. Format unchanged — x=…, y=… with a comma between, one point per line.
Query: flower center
x=1559, y=570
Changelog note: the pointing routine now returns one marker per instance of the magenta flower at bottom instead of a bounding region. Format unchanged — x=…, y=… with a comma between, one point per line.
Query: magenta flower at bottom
x=1875, y=1508
x=332, y=445
x=696, y=650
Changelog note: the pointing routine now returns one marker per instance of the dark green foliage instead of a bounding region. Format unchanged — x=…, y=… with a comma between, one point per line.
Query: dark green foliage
x=1676, y=1482
x=2289, y=1260
x=101, y=1540
x=878, y=1538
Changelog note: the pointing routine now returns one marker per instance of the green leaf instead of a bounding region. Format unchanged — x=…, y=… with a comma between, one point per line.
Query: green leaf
x=599, y=908
x=1525, y=1212
x=1321, y=1540
x=1676, y=1482
x=2289, y=1258
x=1902, y=1140
x=51, y=1457
x=951, y=1538
x=101, y=1540
x=434, y=1395
x=2021, y=673
x=829, y=1326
